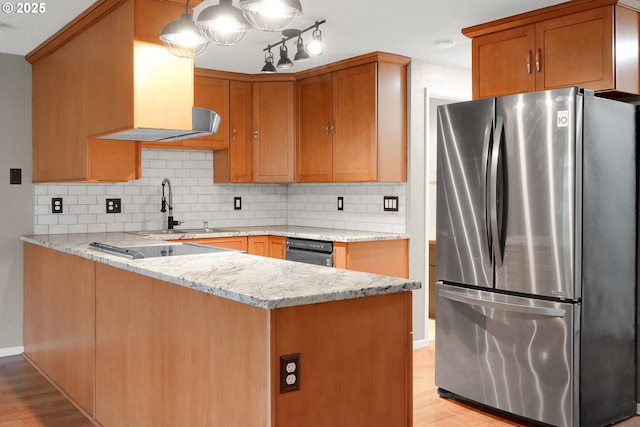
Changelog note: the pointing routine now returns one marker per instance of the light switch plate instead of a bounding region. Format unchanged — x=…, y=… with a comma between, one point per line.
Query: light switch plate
x=15, y=176
x=390, y=203
x=237, y=203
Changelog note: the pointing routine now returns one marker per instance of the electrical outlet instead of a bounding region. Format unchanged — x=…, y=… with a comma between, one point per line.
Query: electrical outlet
x=390, y=203
x=113, y=206
x=289, y=373
x=340, y=203
x=56, y=205
x=237, y=203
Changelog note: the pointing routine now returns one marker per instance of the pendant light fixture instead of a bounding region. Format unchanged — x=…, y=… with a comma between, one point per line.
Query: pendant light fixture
x=284, y=61
x=182, y=37
x=314, y=47
x=269, y=68
x=271, y=15
x=301, y=52
x=223, y=24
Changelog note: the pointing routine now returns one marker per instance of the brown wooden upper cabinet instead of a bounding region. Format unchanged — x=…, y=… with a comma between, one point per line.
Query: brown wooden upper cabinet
x=234, y=164
x=591, y=44
x=352, y=119
x=273, y=132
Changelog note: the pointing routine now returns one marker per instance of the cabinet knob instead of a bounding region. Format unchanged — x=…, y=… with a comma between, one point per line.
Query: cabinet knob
x=233, y=133
x=255, y=133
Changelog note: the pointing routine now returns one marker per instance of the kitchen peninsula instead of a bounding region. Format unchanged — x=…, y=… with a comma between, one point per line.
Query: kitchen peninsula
x=197, y=340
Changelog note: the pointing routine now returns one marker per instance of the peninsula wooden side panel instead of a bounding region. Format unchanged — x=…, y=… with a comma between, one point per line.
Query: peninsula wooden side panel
x=59, y=320
x=355, y=362
x=172, y=356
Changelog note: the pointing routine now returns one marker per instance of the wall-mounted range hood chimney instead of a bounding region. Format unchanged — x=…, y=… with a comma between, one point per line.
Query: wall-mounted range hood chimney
x=114, y=79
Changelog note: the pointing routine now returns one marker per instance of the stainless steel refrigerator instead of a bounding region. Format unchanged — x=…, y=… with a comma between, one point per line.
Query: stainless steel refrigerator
x=536, y=256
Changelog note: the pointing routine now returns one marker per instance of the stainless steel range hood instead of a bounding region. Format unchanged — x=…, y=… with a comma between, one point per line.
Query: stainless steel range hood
x=204, y=122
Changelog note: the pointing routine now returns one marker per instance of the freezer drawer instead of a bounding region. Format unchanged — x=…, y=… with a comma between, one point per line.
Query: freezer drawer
x=512, y=353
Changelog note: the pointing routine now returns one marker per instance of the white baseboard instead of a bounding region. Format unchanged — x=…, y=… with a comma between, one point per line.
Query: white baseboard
x=11, y=351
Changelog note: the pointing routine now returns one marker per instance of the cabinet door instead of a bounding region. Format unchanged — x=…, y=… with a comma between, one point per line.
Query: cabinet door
x=576, y=50
x=212, y=94
x=240, y=143
x=355, y=148
x=258, y=245
x=277, y=247
x=503, y=63
x=273, y=127
x=315, y=127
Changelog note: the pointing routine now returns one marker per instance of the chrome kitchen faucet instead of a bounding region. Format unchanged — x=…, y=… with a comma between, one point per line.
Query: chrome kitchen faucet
x=170, y=221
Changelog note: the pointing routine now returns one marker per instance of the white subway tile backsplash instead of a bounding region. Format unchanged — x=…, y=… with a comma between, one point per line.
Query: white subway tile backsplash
x=197, y=199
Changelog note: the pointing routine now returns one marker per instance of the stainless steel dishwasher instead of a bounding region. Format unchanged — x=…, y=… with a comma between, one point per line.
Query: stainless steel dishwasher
x=316, y=252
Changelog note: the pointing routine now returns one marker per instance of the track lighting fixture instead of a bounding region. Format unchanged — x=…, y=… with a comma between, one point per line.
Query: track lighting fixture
x=182, y=37
x=223, y=24
x=303, y=51
x=271, y=15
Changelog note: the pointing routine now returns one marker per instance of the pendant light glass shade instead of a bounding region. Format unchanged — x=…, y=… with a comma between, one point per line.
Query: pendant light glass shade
x=271, y=15
x=268, y=64
x=314, y=47
x=182, y=38
x=223, y=24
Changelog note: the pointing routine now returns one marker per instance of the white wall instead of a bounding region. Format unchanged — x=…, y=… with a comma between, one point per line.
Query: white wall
x=423, y=76
x=17, y=200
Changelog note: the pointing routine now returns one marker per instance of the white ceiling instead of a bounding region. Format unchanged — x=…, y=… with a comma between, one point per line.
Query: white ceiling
x=353, y=27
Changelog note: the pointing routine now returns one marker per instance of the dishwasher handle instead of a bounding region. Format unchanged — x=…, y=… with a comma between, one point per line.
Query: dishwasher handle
x=505, y=306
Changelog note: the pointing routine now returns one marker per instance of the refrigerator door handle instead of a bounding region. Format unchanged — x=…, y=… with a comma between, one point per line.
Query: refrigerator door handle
x=486, y=159
x=505, y=306
x=493, y=190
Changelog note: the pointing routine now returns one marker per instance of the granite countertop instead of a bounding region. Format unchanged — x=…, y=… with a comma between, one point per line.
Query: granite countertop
x=317, y=233
x=258, y=281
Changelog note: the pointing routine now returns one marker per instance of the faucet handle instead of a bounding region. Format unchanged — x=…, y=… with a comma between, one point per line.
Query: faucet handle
x=205, y=225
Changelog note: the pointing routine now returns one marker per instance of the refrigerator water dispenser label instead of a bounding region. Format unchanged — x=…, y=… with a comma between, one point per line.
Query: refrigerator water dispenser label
x=563, y=119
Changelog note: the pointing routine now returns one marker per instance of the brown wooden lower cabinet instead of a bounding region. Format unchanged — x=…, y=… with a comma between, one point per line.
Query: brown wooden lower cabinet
x=269, y=246
x=387, y=257
x=277, y=247
x=166, y=355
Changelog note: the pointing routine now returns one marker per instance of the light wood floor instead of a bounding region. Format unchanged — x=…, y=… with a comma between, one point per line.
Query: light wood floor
x=29, y=400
